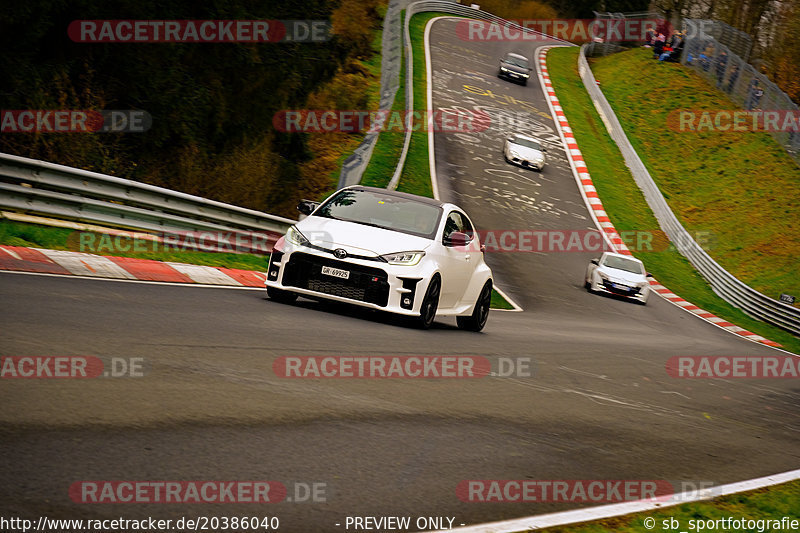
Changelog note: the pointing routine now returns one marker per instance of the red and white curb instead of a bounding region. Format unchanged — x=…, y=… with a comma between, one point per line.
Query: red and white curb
x=595, y=205
x=21, y=259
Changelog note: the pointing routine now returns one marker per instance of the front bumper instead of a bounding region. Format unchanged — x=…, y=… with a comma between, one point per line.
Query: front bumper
x=624, y=290
x=525, y=163
x=370, y=283
x=513, y=76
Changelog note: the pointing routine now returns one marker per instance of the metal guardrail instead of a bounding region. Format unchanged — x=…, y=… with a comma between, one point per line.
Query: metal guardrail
x=450, y=7
x=724, y=284
x=391, y=53
x=42, y=188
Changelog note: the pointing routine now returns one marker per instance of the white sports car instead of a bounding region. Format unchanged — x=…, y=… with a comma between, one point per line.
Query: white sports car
x=618, y=274
x=385, y=250
x=525, y=151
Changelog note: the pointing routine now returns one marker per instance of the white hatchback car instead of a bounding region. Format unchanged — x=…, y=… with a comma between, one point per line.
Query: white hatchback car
x=525, y=151
x=618, y=274
x=385, y=250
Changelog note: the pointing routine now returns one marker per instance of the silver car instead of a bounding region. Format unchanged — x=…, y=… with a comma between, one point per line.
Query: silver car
x=525, y=151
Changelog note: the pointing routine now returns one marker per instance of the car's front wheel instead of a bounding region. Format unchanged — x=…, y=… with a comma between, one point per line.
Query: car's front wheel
x=281, y=296
x=430, y=303
x=477, y=320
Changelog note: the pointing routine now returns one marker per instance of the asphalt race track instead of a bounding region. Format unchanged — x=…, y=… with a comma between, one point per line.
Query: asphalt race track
x=599, y=405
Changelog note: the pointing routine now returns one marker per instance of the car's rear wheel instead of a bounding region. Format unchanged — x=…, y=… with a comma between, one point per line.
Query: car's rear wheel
x=477, y=320
x=430, y=303
x=278, y=295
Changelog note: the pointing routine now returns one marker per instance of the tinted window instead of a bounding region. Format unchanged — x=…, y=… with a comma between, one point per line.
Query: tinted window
x=371, y=208
x=622, y=263
x=527, y=143
x=457, y=222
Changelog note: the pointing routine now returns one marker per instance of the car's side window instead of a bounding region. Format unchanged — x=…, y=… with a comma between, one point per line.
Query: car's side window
x=454, y=223
x=457, y=222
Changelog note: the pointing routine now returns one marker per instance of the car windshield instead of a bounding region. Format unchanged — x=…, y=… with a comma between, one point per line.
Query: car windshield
x=373, y=208
x=516, y=61
x=621, y=263
x=527, y=143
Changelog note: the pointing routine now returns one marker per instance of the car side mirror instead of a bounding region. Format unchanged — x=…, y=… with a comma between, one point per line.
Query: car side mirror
x=510, y=139
x=457, y=238
x=544, y=149
x=596, y=261
x=648, y=274
x=307, y=207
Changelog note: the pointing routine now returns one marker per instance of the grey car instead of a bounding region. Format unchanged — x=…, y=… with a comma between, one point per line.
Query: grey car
x=525, y=151
x=515, y=67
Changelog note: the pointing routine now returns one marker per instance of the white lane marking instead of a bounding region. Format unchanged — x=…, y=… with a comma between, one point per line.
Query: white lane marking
x=83, y=264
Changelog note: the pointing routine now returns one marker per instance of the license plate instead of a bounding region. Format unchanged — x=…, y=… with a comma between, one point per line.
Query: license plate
x=620, y=287
x=336, y=272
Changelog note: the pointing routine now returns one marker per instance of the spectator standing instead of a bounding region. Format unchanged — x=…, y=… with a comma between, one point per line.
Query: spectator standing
x=721, y=65
x=658, y=47
x=754, y=94
x=734, y=75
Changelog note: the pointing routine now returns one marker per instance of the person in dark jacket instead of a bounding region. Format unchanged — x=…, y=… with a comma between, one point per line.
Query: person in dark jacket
x=720, y=66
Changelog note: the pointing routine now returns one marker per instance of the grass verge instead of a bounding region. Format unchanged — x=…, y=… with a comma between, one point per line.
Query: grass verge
x=770, y=503
x=739, y=187
x=416, y=177
x=626, y=206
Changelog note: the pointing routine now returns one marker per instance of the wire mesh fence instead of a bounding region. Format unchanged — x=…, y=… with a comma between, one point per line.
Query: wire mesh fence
x=748, y=88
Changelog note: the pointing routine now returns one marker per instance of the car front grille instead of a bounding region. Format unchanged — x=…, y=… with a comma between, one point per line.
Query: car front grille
x=365, y=284
x=620, y=289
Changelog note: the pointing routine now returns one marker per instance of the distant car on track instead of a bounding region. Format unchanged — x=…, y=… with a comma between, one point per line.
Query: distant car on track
x=525, y=151
x=515, y=67
x=388, y=251
x=618, y=274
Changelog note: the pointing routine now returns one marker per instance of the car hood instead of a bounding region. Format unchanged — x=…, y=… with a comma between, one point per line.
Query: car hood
x=622, y=276
x=358, y=239
x=530, y=154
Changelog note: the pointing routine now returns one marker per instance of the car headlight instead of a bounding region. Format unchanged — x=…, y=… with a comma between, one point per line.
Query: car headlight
x=295, y=237
x=525, y=74
x=642, y=284
x=503, y=69
x=515, y=154
x=403, y=258
x=603, y=276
